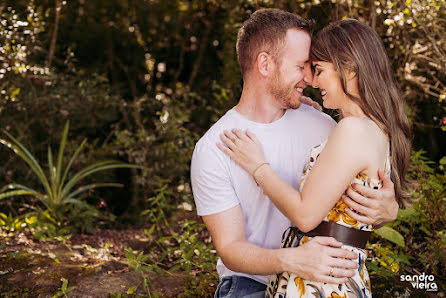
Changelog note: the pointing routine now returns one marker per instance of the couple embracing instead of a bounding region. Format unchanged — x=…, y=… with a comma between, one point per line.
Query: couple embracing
x=289, y=196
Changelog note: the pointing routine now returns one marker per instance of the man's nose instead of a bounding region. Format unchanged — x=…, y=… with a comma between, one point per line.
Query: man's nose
x=308, y=75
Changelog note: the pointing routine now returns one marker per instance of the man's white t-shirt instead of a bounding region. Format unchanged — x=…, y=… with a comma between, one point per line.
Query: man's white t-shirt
x=219, y=184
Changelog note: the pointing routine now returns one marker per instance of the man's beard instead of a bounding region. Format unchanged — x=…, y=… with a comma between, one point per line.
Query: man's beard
x=283, y=93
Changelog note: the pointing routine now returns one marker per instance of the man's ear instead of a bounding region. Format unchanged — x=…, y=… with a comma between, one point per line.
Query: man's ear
x=264, y=64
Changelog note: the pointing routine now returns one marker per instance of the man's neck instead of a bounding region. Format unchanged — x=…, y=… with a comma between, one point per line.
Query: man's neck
x=259, y=106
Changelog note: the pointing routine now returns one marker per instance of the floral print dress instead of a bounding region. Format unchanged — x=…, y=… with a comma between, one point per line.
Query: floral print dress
x=290, y=285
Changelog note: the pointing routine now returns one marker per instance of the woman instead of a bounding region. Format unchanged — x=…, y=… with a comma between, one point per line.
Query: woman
x=354, y=76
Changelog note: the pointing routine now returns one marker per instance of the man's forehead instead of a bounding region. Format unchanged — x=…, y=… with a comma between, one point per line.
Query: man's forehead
x=297, y=44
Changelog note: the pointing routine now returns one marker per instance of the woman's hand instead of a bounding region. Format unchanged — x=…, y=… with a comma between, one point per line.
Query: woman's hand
x=242, y=148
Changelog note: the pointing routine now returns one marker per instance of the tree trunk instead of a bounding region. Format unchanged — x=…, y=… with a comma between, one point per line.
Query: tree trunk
x=58, y=6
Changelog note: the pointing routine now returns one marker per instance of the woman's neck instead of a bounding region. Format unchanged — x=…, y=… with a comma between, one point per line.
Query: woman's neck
x=351, y=109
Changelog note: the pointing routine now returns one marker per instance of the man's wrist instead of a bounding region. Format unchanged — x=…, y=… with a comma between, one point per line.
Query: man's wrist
x=284, y=260
x=282, y=257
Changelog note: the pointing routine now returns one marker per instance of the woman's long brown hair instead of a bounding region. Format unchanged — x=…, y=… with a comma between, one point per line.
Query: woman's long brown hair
x=349, y=44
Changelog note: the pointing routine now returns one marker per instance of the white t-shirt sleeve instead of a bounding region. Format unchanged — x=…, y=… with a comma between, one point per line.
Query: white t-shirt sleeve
x=211, y=180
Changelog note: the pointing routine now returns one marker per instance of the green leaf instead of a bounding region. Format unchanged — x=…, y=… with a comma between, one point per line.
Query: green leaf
x=406, y=213
x=139, y=256
x=73, y=158
x=391, y=235
x=129, y=254
x=91, y=186
x=14, y=186
x=131, y=290
x=175, y=268
x=21, y=151
x=96, y=167
x=18, y=193
x=65, y=284
x=51, y=170
x=60, y=153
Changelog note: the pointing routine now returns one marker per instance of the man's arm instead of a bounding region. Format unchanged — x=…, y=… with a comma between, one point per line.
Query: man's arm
x=312, y=261
x=374, y=206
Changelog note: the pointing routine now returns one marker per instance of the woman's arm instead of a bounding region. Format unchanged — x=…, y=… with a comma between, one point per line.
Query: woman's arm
x=341, y=160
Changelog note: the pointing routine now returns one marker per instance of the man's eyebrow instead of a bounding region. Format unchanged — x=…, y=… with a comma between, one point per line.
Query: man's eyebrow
x=315, y=65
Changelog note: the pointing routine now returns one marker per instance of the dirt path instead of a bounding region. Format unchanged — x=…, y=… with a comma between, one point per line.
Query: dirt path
x=95, y=264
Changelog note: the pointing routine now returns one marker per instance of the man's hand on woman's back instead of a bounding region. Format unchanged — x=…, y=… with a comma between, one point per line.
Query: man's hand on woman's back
x=320, y=259
x=374, y=206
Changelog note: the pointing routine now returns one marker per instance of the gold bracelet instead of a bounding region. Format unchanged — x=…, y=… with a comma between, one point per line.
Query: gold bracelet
x=258, y=167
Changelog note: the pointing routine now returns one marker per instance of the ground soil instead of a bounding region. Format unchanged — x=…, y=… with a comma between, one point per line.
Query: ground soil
x=95, y=264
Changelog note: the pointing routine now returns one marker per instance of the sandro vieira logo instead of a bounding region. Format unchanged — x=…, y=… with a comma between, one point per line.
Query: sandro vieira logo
x=422, y=282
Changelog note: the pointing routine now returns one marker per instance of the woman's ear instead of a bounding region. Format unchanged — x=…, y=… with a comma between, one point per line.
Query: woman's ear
x=350, y=74
x=265, y=64
x=351, y=79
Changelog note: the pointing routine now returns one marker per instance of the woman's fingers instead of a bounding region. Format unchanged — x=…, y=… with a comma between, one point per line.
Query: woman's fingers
x=230, y=135
x=226, y=150
x=241, y=135
x=228, y=141
x=236, y=134
x=252, y=136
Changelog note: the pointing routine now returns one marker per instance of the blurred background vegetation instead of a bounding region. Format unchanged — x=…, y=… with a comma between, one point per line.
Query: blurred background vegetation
x=143, y=80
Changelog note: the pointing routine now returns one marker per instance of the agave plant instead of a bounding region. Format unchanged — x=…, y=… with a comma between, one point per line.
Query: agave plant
x=59, y=183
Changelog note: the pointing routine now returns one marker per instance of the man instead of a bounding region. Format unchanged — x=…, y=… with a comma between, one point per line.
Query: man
x=246, y=228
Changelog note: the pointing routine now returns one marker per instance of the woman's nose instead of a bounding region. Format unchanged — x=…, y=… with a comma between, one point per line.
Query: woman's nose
x=315, y=83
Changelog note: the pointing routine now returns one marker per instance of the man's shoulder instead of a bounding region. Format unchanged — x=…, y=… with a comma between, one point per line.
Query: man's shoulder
x=206, y=148
x=212, y=135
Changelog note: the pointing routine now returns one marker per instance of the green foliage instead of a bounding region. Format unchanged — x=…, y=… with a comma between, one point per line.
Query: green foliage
x=20, y=31
x=64, y=289
x=19, y=293
x=391, y=235
x=172, y=250
x=419, y=231
x=58, y=197
x=11, y=223
x=199, y=256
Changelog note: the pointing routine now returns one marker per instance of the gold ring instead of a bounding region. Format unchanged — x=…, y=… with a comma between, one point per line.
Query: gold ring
x=331, y=271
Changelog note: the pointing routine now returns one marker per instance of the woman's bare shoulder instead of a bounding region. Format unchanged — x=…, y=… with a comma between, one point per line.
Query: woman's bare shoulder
x=362, y=128
x=360, y=135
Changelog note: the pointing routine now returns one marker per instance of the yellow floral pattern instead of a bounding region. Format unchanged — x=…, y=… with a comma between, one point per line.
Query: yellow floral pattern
x=356, y=286
x=338, y=213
